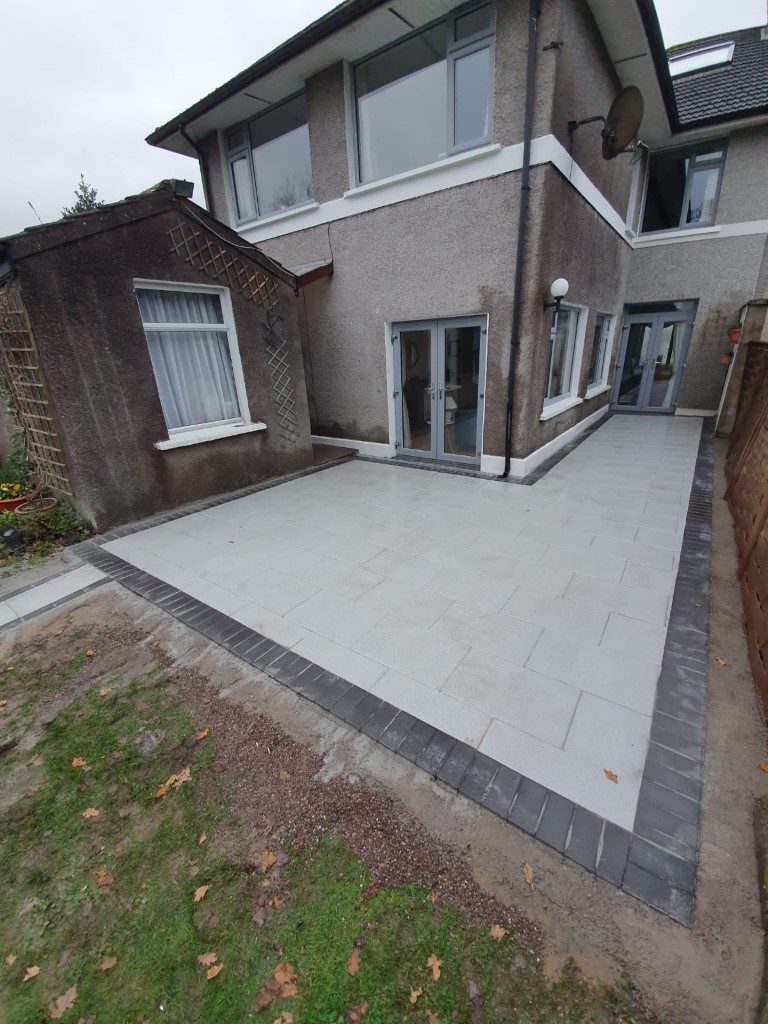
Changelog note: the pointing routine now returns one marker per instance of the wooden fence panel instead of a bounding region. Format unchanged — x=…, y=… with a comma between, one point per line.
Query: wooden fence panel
x=747, y=495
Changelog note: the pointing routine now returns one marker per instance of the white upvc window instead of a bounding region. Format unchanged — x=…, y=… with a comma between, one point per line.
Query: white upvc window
x=190, y=333
x=426, y=96
x=599, y=358
x=566, y=346
x=268, y=161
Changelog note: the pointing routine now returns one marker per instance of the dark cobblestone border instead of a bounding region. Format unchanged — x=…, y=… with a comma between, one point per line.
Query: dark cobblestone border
x=656, y=862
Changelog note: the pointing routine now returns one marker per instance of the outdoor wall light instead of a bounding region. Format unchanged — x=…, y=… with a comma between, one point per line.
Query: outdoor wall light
x=558, y=290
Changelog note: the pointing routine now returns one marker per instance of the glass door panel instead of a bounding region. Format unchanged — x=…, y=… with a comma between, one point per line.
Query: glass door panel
x=638, y=338
x=669, y=356
x=459, y=389
x=416, y=399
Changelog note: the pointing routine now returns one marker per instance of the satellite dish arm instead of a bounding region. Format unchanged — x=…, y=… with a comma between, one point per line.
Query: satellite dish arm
x=573, y=125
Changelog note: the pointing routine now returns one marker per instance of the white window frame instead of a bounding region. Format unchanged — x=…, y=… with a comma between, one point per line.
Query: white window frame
x=454, y=51
x=722, y=53
x=195, y=433
x=246, y=150
x=570, y=398
x=694, y=154
x=600, y=384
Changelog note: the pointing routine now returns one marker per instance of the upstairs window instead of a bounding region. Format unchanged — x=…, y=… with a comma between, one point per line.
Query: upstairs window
x=683, y=187
x=425, y=97
x=269, y=164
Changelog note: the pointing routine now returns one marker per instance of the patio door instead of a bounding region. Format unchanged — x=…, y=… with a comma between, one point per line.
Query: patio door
x=439, y=370
x=651, y=360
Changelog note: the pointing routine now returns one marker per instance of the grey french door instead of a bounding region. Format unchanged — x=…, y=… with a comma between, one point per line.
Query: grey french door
x=439, y=371
x=652, y=355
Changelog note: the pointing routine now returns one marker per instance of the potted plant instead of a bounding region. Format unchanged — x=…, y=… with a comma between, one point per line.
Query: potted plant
x=734, y=334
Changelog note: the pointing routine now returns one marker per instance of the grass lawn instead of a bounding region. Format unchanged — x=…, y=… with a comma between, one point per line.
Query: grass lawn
x=129, y=896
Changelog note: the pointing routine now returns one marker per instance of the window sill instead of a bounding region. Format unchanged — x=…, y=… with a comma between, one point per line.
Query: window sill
x=189, y=437
x=560, y=406
x=417, y=172
x=596, y=389
x=277, y=217
x=673, y=234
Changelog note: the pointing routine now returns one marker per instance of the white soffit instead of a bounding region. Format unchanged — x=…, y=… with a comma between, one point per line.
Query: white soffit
x=624, y=36
x=368, y=33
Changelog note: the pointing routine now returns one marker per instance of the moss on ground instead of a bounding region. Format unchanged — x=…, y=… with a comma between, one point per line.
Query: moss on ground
x=81, y=891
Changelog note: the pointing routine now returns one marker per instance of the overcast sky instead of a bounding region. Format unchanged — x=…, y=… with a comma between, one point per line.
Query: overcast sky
x=85, y=83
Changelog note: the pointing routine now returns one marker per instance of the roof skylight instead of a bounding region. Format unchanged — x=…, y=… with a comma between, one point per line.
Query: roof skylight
x=700, y=59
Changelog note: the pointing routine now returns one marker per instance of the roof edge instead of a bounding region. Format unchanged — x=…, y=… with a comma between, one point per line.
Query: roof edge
x=652, y=28
x=336, y=19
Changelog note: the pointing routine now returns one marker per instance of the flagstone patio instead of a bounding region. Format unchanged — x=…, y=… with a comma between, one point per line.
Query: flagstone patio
x=527, y=621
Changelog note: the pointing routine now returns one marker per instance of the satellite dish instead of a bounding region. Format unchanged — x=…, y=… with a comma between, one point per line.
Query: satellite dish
x=623, y=122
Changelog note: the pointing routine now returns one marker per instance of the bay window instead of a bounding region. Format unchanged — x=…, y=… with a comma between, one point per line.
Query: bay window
x=598, y=360
x=683, y=186
x=268, y=161
x=566, y=345
x=425, y=97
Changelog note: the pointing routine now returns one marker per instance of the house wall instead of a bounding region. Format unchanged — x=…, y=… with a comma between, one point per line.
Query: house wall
x=442, y=255
x=722, y=273
x=209, y=147
x=82, y=305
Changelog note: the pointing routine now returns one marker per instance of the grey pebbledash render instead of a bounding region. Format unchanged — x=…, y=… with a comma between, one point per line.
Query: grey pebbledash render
x=387, y=147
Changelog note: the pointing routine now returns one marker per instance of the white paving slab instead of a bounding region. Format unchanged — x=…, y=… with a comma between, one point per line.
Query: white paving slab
x=39, y=597
x=528, y=621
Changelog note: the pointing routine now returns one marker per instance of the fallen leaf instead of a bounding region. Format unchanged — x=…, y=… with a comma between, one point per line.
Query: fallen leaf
x=102, y=878
x=201, y=734
x=90, y=652
x=211, y=973
x=721, y=661
x=161, y=790
x=206, y=959
x=413, y=998
x=10, y=959
x=498, y=933
x=431, y=1017
x=31, y=972
x=353, y=962
x=200, y=892
x=202, y=838
x=3, y=703
x=78, y=762
x=173, y=781
x=184, y=776
x=763, y=767
x=37, y=760
x=105, y=691
x=356, y=1013
x=528, y=873
x=369, y=891
x=611, y=776
x=285, y=1017
x=434, y=965
x=284, y=973
x=91, y=812
x=59, y=1006
x=107, y=963
x=267, y=860
x=276, y=902
x=432, y=897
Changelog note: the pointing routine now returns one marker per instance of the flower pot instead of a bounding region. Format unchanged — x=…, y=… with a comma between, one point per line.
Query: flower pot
x=734, y=335
x=9, y=504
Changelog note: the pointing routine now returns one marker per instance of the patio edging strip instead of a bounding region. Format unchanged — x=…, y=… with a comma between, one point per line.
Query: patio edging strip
x=664, y=851
x=655, y=862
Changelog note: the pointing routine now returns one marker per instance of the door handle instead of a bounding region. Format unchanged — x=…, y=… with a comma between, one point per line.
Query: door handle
x=440, y=393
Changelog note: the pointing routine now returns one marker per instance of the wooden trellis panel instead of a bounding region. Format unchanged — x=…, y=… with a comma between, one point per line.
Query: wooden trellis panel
x=29, y=392
x=753, y=385
x=197, y=247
